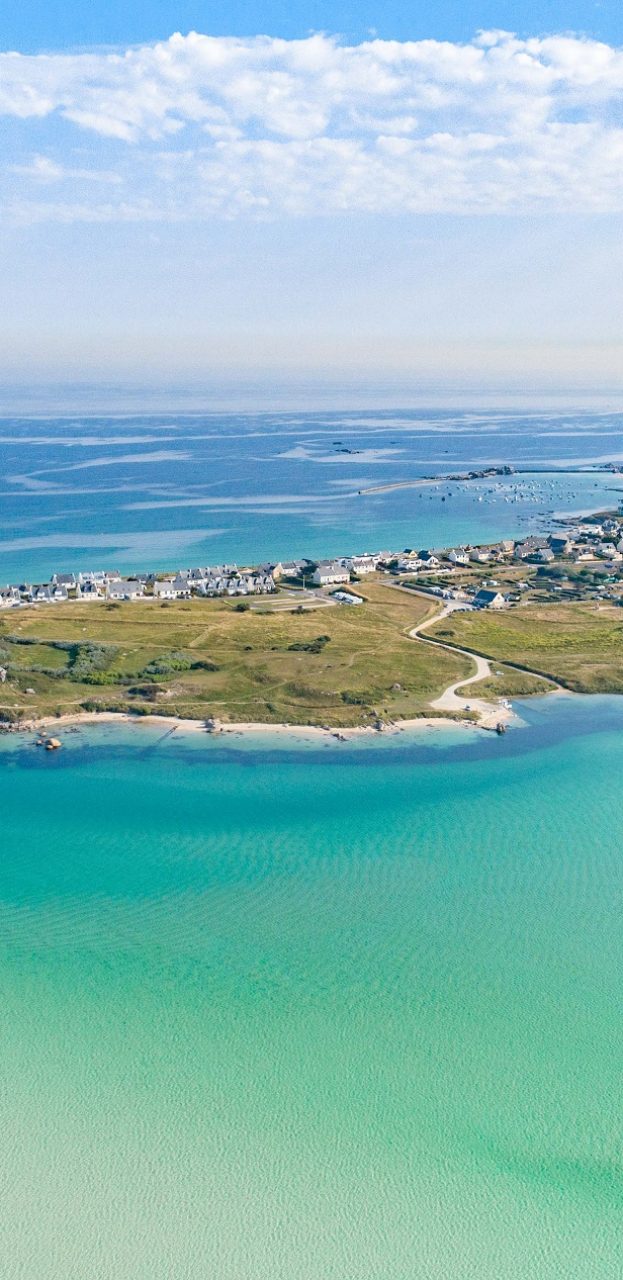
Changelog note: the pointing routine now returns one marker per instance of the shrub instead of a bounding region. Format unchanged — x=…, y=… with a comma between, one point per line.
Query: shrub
x=167, y=664
x=9, y=715
x=148, y=691
x=309, y=646
x=89, y=660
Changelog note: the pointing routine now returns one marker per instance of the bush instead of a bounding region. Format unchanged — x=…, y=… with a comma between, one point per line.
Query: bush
x=9, y=715
x=309, y=646
x=242, y=607
x=89, y=660
x=148, y=691
x=167, y=664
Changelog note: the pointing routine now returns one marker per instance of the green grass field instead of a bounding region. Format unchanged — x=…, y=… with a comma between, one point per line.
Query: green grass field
x=577, y=645
x=202, y=658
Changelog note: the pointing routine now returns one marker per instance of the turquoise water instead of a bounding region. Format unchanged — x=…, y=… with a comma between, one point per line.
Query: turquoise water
x=282, y=1013
x=157, y=491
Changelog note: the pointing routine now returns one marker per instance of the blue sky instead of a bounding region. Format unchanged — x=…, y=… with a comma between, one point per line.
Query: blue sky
x=54, y=24
x=398, y=200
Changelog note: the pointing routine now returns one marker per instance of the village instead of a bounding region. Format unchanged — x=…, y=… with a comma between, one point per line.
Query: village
x=582, y=560
x=400, y=632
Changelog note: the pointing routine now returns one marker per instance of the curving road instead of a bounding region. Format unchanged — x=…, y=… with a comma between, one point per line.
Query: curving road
x=490, y=714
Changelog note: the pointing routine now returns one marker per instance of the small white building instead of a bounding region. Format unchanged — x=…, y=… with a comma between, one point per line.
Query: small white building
x=346, y=597
x=489, y=600
x=124, y=589
x=329, y=572
x=168, y=590
x=9, y=597
x=361, y=564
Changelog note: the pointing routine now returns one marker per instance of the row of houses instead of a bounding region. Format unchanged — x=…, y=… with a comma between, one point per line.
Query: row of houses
x=221, y=580
x=587, y=542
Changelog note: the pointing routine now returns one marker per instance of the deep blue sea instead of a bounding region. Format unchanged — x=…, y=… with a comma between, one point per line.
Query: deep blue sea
x=175, y=490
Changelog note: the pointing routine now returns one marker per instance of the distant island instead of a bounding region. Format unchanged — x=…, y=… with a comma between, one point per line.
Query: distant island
x=359, y=641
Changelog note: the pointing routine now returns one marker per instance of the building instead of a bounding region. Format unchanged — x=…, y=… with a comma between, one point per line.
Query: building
x=361, y=564
x=88, y=591
x=9, y=597
x=124, y=589
x=346, y=597
x=67, y=580
x=489, y=600
x=171, y=589
x=459, y=555
x=329, y=572
x=523, y=550
x=560, y=544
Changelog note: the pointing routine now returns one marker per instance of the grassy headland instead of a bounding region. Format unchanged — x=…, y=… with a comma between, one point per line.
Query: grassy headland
x=579, y=645
x=197, y=658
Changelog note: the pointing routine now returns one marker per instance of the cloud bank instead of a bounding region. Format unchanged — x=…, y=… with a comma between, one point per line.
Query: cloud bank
x=196, y=126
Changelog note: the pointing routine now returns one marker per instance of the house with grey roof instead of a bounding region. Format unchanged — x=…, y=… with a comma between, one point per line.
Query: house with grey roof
x=329, y=572
x=125, y=589
x=485, y=599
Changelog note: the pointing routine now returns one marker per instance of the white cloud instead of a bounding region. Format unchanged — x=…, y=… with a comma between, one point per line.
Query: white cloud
x=44, y=169
x=266, y=126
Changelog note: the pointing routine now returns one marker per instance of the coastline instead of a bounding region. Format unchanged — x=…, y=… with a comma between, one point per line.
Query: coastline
x=175, y=724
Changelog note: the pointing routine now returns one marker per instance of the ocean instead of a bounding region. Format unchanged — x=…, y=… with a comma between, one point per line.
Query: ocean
x=277, y=1010
x=168, y=491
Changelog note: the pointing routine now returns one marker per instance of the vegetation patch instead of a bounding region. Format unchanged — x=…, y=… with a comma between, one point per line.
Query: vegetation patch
x=204, y=658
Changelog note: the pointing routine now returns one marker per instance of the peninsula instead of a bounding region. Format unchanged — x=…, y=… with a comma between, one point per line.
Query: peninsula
x=360, y=641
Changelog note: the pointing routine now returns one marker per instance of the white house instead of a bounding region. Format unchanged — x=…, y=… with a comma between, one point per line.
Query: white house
x=361, y=564
x=489, y=600
x=124, y=589
x=9, y=597
x=88, y=591
x=328, y=572
x=169, y=590
x=67, y=580
x=459, y=555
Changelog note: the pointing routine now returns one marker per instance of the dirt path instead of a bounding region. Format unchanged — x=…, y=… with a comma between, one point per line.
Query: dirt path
x=490, y=714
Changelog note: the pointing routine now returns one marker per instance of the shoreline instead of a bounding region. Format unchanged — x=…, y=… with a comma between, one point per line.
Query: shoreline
x=47, y=725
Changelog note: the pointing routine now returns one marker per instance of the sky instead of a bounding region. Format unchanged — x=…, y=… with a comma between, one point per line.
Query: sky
x=348, y=195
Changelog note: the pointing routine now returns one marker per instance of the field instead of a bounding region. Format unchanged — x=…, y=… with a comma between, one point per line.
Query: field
x=579, y=646
x=335, y=665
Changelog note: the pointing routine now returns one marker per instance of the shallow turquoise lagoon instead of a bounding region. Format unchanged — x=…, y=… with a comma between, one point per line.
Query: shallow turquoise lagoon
x=274, y=1013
